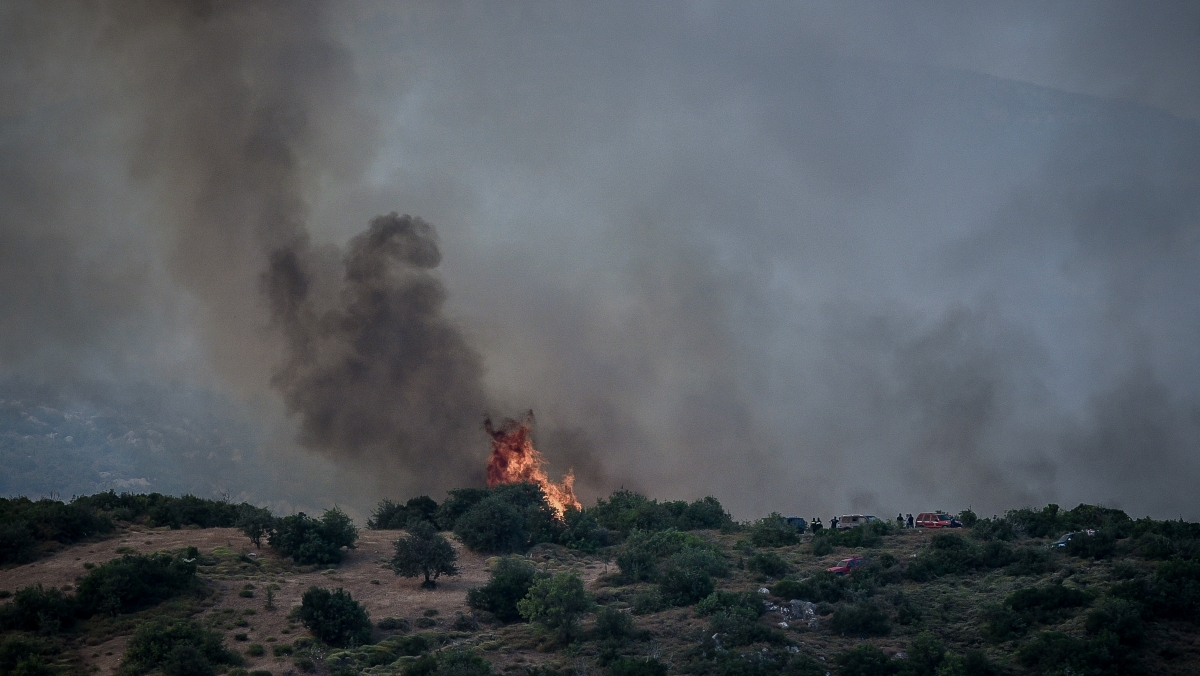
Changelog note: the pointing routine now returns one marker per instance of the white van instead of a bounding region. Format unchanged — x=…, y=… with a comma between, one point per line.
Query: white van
x=848, y=521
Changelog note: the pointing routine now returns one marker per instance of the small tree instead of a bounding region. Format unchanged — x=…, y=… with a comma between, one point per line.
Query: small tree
x=255, y=522
x=424, y=551
x=335, y=617
x=556, y=603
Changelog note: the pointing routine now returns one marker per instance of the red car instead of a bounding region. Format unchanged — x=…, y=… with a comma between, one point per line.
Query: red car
x=846, y=565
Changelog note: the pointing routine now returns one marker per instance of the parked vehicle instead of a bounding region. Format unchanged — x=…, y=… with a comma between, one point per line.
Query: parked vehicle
x=936, y=520
x=847, y=521
x=846, y=565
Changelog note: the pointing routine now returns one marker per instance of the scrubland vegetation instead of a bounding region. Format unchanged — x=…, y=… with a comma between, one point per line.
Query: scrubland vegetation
x=628, y=587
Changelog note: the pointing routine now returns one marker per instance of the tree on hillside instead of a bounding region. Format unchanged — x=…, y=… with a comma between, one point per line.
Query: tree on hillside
x=255, y=522
x=424, y=551
x=308, y=540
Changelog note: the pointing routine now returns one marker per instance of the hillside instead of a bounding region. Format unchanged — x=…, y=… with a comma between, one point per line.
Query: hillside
x=747, y=599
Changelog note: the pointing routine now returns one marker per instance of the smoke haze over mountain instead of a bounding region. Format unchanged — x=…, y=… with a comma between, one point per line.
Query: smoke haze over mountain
x=804, y=258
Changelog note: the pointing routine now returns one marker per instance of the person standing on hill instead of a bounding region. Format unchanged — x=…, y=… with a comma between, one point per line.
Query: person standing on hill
x=900, y=521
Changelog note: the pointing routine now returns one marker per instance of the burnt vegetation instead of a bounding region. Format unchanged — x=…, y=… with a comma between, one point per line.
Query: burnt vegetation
x=684, y=589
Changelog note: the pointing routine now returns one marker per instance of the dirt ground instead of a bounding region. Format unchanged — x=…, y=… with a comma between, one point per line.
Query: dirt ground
x=363, y=573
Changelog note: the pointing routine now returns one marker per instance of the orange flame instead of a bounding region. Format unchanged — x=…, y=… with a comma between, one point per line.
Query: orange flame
x=515, y=460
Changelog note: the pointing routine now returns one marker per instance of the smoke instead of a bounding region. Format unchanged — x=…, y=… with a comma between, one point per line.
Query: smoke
x=804, y=258
x=382, y=376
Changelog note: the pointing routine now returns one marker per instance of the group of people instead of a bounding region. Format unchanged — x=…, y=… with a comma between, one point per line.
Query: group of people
x=904, y=521
x=815, y=525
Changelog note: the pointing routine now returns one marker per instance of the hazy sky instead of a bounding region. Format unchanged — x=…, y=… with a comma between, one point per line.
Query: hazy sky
x=812, y=258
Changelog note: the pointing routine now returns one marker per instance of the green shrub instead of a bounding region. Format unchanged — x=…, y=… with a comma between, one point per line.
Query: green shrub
x=1049, y=604
x=318, y=541
x=993, y=529
x=682, y=585
x=866, y=660
x=556, y=603
x=182, y=647
x=1119, y=617
x=509, y=583
x=906, y=612
x=455, y=662
x=26, y=656
x=1099, y=545
x=634, y=666
x=133, y=582
x=625, y=512
x=1030, y=561
x=34, y=608
x=282, y=649
x=770, y=564
x=821, y=587
x=305, y=664
x=424, y=551
x=739, y=626
x=391, y=515
x=493, y=526
x=821, y=544
x=646, y=602
x=773, y=531
x=582, y=531
x=255, y=523
x=255, y=650
x=394, y=624
x=334, y=617
x=860, y=619
x=613, y=624
x=1054, y=652
x=640, y=556
x=725, y=601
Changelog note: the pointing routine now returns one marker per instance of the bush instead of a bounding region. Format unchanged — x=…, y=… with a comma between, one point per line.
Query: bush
x=1119, y=617
x=773, y=531
x=1030, y=561
x=510, y=582
x=133, y=582
x=993, y=529
x=639, y=558
x=1099, y=545
x=625, y=512
x=866, y=660
x=682, y=585
x=1027, y=607
x=424, y=551
x=613, y=624
x=455, y=662
x=22, y=656
x=821, y=544
x=394, y=624
x=725, y=601
x=738, y=626
x=1053, y=652
x=178, y=648
x=634, y=666
x=556, y=603
x=318, y=541
x=334, y=617
x=394, y=516
x=860, y=619
x=34, y=608
x=582, y=532
x=821, y=587
x=770, y=564
x=646, y=602
x=493, y=526
x=255, y=650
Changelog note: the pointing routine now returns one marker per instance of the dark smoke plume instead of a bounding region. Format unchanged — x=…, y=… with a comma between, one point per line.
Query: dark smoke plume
x=236, y=114
x=382, y=376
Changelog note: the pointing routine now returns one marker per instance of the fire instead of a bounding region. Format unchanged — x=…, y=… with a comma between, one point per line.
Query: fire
x=515, y=460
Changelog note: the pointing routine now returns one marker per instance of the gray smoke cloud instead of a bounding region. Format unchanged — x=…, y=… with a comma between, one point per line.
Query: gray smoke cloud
x=806, y=258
